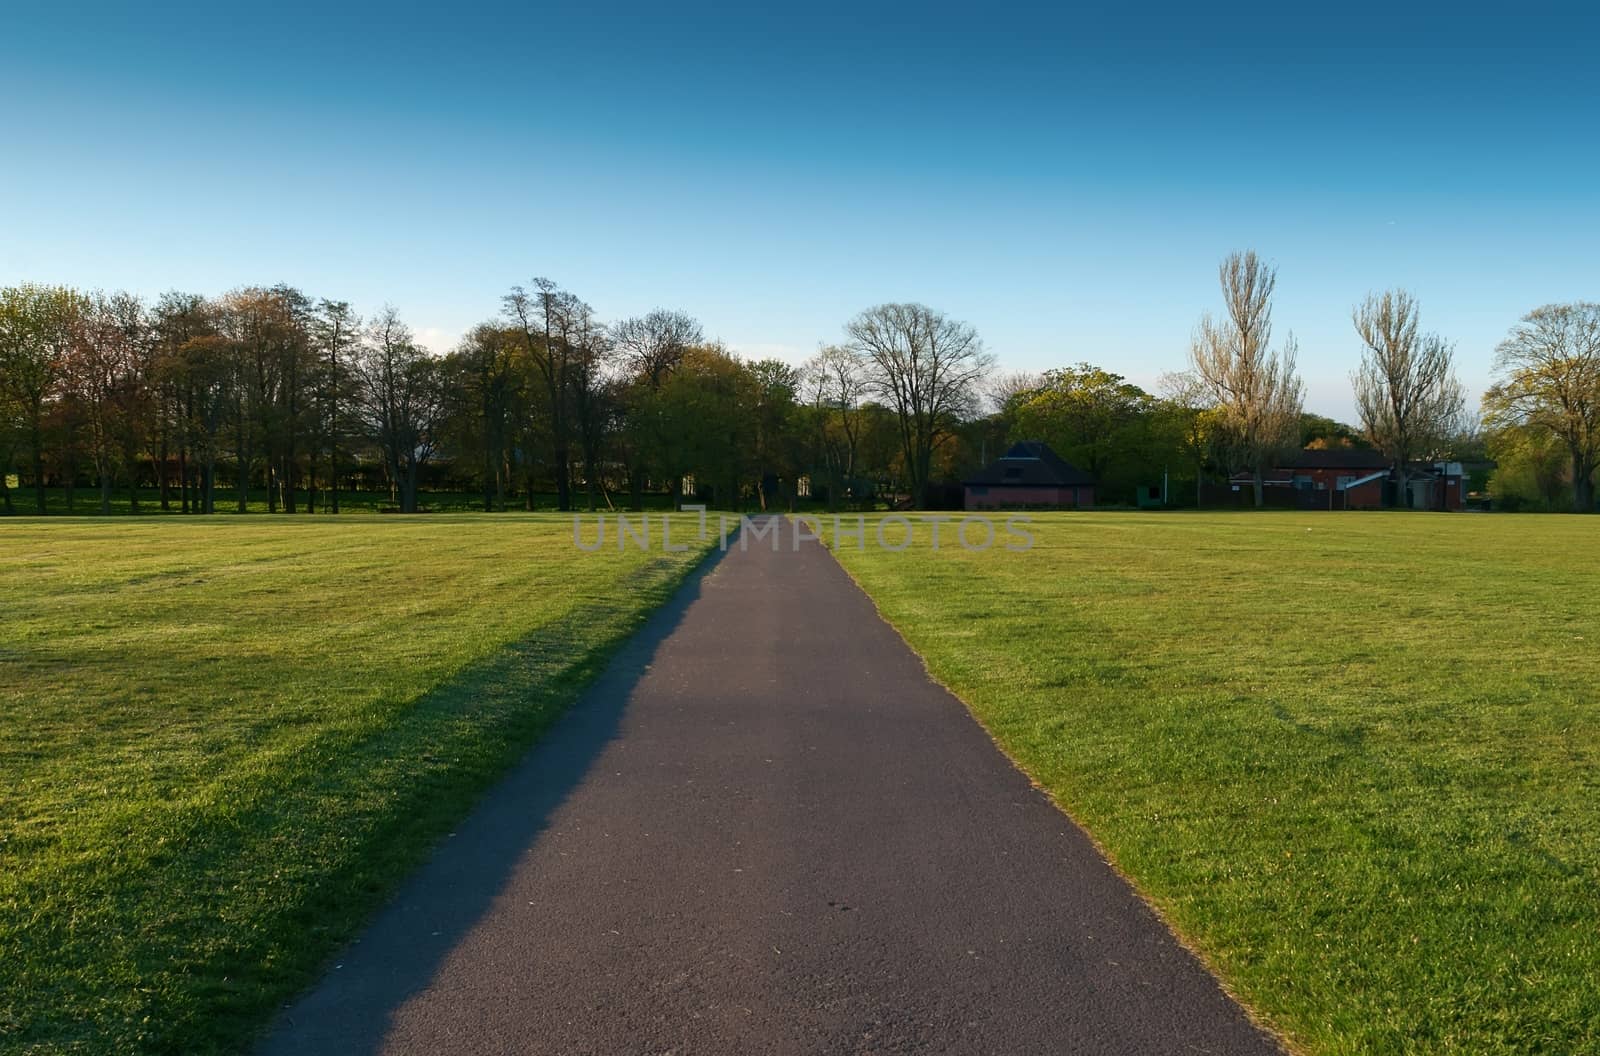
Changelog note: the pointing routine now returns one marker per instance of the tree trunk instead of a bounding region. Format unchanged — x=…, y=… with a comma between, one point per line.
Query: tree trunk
x=490, y=477
x=590, y=476
x=1259, y=483
x=408, y=490
x=38, y=456
x=161, y=474
x=563, y=479
x=1582, y=484
x=242, y=453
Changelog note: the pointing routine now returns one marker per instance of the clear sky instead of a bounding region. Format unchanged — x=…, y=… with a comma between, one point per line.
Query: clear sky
x=1064, y=180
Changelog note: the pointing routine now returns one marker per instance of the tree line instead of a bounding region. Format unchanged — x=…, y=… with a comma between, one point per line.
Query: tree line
x=209, y=400
x=1239, y=407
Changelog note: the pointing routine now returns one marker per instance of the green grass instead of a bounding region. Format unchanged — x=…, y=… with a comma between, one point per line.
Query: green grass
x=222, y=743
x=1353, y=758
x=85, y=502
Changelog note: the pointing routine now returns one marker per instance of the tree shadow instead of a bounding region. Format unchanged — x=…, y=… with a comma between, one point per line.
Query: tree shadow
x=401, y=951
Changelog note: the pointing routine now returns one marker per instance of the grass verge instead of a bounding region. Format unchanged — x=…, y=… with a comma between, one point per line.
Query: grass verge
x=1354, y=758
x=223, y=743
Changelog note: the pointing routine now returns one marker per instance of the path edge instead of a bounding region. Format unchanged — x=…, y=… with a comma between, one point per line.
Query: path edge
x=689, y=576
x=1258, y=1018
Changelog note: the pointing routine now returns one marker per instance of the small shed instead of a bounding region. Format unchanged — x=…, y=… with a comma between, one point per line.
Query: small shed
x=1029, y=475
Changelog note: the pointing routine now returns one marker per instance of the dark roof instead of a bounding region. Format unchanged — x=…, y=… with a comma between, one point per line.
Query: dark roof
x=1031, y=464
x=1339, y=458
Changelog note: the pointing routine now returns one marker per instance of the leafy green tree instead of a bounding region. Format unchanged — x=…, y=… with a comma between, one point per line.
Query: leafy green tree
x=1097, y=420
x=12, y=430
x=774, y=425
x=480, y=383
x=37, y=325
x=1189, y=423
x=703, y=421
x=1550, y=364
x=651, y=348
x=1320, y=432
x=1531, y=471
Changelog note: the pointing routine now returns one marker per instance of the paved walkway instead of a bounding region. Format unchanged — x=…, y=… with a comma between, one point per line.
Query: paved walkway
x=765, y=830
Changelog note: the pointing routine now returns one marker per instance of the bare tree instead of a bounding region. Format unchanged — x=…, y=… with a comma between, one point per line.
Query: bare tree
x=1406, y=389
x=1551, y=360
x=1257, y=392
x=336, y=330
x=653, y=345
x=835, y=386
x=1003, y=389
x=488, y=371
x=100, y=373
x=592, y=399
x=927, y=369
x=544, y=319
x=401, y=400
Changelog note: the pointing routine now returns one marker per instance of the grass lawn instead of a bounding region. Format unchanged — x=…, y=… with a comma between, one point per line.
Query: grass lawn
x=1354, y=758
x=85, y=502
x=222, y=742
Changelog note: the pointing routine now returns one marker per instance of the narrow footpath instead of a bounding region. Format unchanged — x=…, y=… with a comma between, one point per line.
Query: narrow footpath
x=766, y=830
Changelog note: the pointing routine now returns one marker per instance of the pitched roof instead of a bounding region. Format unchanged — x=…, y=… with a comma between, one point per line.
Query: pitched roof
x=1339, y=458
x=1031, y=463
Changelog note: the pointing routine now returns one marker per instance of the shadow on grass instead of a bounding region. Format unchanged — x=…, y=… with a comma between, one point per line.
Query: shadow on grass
x=397, y=956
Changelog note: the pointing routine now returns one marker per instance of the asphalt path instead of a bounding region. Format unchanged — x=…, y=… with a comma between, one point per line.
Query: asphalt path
x=765, y=829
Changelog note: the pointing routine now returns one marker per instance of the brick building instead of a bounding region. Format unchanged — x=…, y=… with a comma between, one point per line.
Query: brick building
x=1029, y=475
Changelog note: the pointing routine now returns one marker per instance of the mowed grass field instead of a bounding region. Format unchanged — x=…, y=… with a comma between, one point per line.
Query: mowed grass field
x=86, y=502
x=1353, y=758
x=222, y=742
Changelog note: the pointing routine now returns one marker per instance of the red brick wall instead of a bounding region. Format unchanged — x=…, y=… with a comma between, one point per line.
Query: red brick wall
x=999, y=496
x=1368, y=496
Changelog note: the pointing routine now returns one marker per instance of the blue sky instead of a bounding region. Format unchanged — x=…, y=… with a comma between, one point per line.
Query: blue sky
x=1064, y=180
